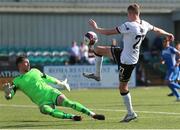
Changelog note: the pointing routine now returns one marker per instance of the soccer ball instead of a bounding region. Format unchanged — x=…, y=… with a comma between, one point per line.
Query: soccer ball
x=90, y=38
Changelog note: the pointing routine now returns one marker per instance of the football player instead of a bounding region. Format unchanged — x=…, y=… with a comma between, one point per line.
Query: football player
x=33, y=83
x=133, y=31
x=169, y=55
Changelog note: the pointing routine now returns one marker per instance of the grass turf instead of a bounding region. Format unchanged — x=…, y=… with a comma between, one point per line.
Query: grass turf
x=154, y=108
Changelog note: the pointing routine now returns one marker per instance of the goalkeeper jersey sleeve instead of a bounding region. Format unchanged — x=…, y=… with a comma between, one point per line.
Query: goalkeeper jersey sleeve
x=49, y=79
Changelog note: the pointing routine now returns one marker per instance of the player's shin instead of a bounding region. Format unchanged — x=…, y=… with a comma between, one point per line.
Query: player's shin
x=77, y=106
x=46, y=109
x=127, y=102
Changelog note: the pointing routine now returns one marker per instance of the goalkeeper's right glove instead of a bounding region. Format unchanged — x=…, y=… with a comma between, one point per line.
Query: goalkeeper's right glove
x=7, y=87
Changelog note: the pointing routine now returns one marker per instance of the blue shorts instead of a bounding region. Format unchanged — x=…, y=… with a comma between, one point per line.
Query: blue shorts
x=172, y=74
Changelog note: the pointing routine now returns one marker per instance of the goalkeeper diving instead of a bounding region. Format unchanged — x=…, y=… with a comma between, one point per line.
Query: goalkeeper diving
x=35, y=85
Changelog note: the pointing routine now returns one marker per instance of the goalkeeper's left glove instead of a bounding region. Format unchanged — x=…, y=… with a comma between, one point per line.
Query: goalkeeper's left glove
x=64, y=84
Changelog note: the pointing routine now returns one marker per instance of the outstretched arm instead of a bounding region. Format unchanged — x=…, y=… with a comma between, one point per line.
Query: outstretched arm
x=50, y=79
x=163, y=32
x=104, y=31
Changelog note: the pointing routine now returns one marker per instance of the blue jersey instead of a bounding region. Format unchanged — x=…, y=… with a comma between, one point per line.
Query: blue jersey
x=169, y=56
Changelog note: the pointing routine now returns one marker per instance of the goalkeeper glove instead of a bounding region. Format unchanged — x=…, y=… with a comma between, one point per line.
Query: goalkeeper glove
x=7, y=90
x=64, y=84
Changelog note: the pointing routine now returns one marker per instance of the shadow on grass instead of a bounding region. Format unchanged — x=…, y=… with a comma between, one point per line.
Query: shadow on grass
x=31, y=124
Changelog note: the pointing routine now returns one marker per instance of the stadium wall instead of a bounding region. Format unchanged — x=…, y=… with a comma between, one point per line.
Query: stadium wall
x=110, y=76
x=58, y=30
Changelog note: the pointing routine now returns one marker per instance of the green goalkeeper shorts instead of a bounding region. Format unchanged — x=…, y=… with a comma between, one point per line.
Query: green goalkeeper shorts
x=51, y=97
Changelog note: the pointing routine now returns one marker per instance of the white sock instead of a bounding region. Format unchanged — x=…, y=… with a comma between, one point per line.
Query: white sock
x=92, y=113
x=98, y=65
x=128, y=103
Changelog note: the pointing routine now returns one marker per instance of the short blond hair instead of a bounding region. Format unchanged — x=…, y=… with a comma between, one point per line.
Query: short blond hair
x=134, y=8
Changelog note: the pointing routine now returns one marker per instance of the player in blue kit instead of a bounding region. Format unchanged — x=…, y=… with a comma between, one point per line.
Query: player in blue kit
x=178, y=60
x=169, y=54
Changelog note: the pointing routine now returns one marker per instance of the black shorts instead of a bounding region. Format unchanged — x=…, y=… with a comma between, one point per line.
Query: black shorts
x=116, y=53
x=125, y=71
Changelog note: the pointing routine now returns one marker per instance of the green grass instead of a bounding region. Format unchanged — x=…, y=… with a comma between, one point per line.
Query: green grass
x=154, y=108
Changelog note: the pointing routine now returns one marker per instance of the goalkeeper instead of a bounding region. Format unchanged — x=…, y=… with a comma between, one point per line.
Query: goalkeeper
x=34, y=84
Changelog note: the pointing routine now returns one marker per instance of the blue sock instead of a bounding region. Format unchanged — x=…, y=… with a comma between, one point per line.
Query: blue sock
x=174, y=87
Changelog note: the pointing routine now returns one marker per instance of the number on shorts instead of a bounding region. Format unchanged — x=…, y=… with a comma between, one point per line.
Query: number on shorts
x=121, y=70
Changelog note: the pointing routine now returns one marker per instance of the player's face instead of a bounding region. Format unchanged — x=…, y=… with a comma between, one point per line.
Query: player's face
x=178, y=46
x=132, y=16
x=24, y=65
x=129, y=16
x=166, y=43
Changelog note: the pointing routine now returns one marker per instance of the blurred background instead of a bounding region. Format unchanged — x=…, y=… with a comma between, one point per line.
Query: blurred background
x=47, y=30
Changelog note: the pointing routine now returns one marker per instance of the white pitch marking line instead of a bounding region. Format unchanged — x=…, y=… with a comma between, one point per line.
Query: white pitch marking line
x=111, y=110
x=149, y=112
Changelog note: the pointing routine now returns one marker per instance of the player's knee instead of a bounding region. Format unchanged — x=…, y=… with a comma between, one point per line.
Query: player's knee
x=97, y=52
x=45, y=109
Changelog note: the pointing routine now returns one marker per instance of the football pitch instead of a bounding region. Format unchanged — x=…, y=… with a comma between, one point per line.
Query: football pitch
x=154, y=108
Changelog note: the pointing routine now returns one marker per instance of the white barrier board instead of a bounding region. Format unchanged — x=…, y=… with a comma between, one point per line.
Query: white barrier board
x=110, y=76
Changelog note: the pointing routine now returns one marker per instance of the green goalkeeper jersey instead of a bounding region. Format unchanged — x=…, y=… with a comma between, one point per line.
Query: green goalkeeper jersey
x=34, y=85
